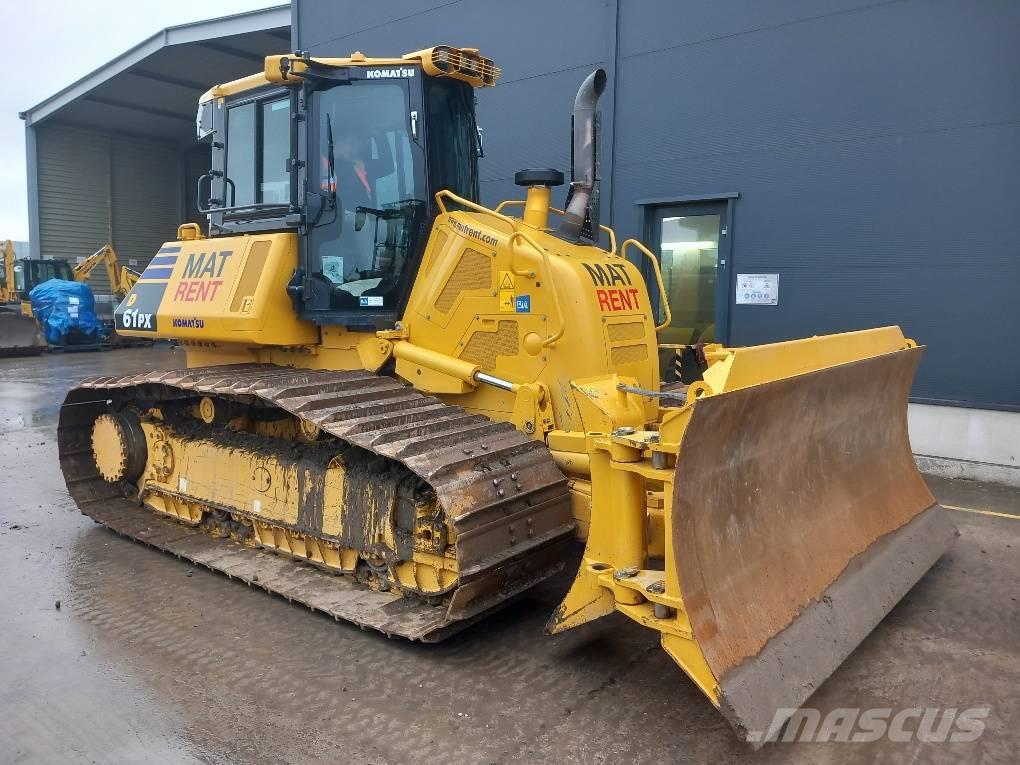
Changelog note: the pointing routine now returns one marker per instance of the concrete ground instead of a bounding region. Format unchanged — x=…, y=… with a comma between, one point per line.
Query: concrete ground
x=147, y=660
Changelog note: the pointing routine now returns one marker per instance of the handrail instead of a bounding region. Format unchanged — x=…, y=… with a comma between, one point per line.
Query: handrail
x=471, y=206
x=658, y=275
x=606, y=229
x=508, y=202
x=549, y=277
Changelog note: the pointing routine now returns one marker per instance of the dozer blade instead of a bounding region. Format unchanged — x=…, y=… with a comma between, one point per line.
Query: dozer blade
x=799, y=519
x=19, y=335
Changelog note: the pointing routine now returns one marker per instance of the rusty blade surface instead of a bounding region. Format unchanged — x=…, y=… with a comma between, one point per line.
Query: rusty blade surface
x=778, y=488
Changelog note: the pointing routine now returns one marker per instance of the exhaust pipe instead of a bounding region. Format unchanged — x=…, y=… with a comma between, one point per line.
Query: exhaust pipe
x=583, y=157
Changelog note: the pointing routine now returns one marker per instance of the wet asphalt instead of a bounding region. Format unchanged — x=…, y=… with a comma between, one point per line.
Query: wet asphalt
x=113, y=652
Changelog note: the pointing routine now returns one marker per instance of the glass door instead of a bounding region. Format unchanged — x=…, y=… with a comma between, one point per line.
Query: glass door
x=691, y=241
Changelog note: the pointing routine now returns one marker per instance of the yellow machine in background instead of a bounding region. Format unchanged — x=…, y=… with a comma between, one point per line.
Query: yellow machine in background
x=121, y=278
x=389, y=381
x=19, y=332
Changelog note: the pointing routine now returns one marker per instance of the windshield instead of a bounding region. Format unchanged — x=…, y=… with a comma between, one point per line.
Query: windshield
x=372, y=192
x=30, y=273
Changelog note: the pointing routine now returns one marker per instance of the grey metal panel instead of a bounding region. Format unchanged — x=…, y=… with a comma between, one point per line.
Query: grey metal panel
x=73, y=174
x=32, y=168
x=321, y=22
x=876, y=165
x=656, y=25
x=145, y=198
x=687, y=198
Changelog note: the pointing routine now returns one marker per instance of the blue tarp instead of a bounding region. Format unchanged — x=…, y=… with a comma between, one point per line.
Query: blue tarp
x=61, y=307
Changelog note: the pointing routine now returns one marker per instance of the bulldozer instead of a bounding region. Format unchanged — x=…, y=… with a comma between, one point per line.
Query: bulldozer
x=19, y=331
x=425, y=401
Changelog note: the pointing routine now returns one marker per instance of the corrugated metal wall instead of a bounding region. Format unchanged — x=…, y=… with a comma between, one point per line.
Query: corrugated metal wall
x=74, y=192
x=97, y=187
x=147, y=193
x=875, y=146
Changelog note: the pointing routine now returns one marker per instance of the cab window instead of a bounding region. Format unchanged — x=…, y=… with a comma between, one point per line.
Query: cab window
x=258, y=145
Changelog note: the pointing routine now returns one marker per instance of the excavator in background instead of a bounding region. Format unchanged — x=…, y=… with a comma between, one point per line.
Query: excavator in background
x=424, y=400
x=19, y=331
x=121, y=278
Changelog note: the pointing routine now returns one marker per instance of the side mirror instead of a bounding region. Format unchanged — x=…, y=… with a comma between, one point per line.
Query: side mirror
x=204, y=120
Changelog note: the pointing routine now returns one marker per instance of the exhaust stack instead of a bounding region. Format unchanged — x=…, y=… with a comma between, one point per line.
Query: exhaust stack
x=582, y=200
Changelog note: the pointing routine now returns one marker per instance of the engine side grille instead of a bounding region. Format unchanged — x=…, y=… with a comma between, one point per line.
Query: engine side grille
x=473, y=272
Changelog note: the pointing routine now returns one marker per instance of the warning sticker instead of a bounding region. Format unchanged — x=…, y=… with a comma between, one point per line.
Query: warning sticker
x=506, y=301
x=506, y=280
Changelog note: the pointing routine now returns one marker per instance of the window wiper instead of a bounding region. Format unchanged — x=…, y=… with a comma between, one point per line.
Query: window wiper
x=330, y=161
x=476, y=132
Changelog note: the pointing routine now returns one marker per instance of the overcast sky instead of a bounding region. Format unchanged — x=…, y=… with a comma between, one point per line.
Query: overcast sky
x=49, y=45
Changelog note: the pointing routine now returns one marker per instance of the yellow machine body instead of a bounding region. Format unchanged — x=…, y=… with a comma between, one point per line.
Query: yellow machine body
x=227, y=293
x=729, y=519
x=19, y=331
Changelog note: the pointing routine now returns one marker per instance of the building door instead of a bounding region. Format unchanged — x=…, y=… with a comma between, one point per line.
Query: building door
x=692, y=242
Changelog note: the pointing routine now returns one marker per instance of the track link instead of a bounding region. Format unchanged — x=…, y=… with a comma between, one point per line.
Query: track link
x=506, y=498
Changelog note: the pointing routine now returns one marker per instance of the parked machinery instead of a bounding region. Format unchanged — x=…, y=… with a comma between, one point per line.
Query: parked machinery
x=19, y=332
x=391, y=382
x=121, y=278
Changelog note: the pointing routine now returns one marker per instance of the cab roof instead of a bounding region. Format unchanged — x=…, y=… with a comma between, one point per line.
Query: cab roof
x=465, y=64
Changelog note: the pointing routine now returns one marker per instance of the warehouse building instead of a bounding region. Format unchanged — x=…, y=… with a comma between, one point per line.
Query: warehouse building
x=114, y=157
x=799, y=167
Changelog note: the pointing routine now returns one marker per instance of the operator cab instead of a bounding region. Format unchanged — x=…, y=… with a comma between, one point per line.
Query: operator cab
x=28, y=274
x=347, y=153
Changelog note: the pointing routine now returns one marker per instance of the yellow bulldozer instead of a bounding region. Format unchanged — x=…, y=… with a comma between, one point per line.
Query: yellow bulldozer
x=425, y=401
x=19, y=331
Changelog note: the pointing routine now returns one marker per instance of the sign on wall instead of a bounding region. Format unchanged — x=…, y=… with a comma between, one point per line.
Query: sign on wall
x=757, y=289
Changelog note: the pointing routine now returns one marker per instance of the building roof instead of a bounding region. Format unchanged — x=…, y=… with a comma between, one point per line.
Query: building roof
x=153, y=88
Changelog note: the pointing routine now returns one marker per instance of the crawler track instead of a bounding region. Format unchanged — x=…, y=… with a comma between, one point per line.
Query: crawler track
x=506, y=498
